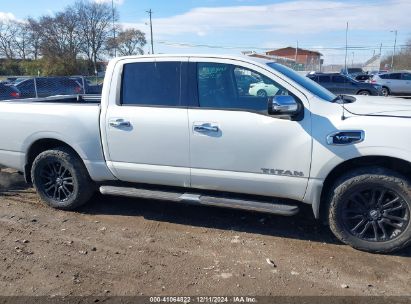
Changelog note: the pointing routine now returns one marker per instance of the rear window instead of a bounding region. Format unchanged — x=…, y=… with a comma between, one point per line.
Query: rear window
x=391, y=76
x=151, y=84
x=340, y=79
x=406, y=76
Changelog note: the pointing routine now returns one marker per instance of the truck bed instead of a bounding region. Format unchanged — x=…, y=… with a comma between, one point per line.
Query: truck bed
x=73, y=120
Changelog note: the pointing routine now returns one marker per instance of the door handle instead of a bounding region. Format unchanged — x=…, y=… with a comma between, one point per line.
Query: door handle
x=206, y=128
x=119, y=122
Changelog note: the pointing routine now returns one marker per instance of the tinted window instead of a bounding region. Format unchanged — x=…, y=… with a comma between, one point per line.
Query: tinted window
x=406, y=76
x=340, y=79
x=27, y=84
x=313, y=77
x=227, y=86
x=151, y=83
x=393, y=76
x=324, y=78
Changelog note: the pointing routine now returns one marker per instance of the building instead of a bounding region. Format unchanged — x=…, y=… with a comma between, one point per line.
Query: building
x=311, y=60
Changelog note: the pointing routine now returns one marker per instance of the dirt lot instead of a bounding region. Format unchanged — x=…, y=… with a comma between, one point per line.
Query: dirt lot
x=118, y=246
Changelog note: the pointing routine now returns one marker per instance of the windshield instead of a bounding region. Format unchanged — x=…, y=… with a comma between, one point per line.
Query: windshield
x=303, y=81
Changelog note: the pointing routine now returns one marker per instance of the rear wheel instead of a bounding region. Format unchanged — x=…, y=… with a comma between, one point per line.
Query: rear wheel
x=370, y=210
x=61, y=179
x=385, y=91
x=364, y=92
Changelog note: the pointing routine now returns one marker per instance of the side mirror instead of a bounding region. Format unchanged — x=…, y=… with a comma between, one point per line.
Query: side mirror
x=283, y=105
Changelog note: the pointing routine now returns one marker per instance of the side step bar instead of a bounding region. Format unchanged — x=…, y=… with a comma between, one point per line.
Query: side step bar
x=207, y=200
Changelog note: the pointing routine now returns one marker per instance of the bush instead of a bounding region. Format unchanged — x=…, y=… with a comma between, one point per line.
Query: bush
x=10, y=67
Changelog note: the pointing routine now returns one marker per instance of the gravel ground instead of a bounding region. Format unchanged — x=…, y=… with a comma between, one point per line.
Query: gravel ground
x=119, y=246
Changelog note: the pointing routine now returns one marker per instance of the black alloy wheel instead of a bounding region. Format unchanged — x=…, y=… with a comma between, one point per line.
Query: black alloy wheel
x=56, y=181
x=376, y=214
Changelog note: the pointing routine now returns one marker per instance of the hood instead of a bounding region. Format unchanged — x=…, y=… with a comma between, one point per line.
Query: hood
x=380, y=106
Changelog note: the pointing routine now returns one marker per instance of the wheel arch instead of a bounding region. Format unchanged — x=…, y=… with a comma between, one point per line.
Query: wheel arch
x=386, y=87
x=398, y=165
x=40, y=146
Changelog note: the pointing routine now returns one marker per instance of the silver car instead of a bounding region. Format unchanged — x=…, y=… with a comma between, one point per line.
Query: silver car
x=394, y=82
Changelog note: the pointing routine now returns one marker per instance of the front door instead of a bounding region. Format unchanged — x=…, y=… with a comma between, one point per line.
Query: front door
x=146, y=127
x=234, y=145
x=394, y=82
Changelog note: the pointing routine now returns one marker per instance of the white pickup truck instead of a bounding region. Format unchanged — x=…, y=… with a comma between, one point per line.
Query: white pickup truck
x=183, y=128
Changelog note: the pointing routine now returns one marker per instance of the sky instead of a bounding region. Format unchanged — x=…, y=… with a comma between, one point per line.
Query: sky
x=232, y=26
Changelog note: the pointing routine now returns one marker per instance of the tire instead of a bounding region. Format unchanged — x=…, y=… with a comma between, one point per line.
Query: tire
x=261, y=93
x=370, y=210
x=364, y=92
x=61, y=179
x=385, y=91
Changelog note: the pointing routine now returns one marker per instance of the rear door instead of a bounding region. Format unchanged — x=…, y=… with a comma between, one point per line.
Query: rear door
x=234, y=145
x=343, y=85
x=325, y=81
x=146, y=122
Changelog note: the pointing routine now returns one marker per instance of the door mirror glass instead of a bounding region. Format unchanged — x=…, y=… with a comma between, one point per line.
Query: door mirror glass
x=283, y=105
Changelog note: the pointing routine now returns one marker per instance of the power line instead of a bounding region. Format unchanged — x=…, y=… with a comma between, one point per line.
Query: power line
x=229, y=47
x=346, y=48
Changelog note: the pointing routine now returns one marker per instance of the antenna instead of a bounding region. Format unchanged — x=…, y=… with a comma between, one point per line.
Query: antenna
x=346, y=48
x=343, y=113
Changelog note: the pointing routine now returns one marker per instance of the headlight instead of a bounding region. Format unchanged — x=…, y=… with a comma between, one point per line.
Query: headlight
x=377, y=86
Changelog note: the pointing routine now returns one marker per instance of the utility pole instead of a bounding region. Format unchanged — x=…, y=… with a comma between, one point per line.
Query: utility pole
x=352, y=62
x=346, y=50
x=114, y=29
x=296, y=54
x=151, y=31
x=393, y=54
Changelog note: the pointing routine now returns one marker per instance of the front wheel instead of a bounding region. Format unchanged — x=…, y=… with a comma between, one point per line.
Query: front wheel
x=262, y=93
x=364, y=92
x=61, y=179
x=370, y=210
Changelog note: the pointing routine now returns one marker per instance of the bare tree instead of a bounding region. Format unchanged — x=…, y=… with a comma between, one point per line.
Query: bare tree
x=60, y=42
x=35, y=35
x=129, y=42
x=402, y=58
x=60, y=35
x=7, y=39
x=95, y=23
x=22, y=40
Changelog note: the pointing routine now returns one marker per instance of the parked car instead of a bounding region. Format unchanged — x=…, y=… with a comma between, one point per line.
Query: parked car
x=244, y=82
x=8, y=92
x=87, y=86
x=342, y=84
x=364, y=77
x=177, y=129
x=262, y=89
x=48, y=86
x=393, y=83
